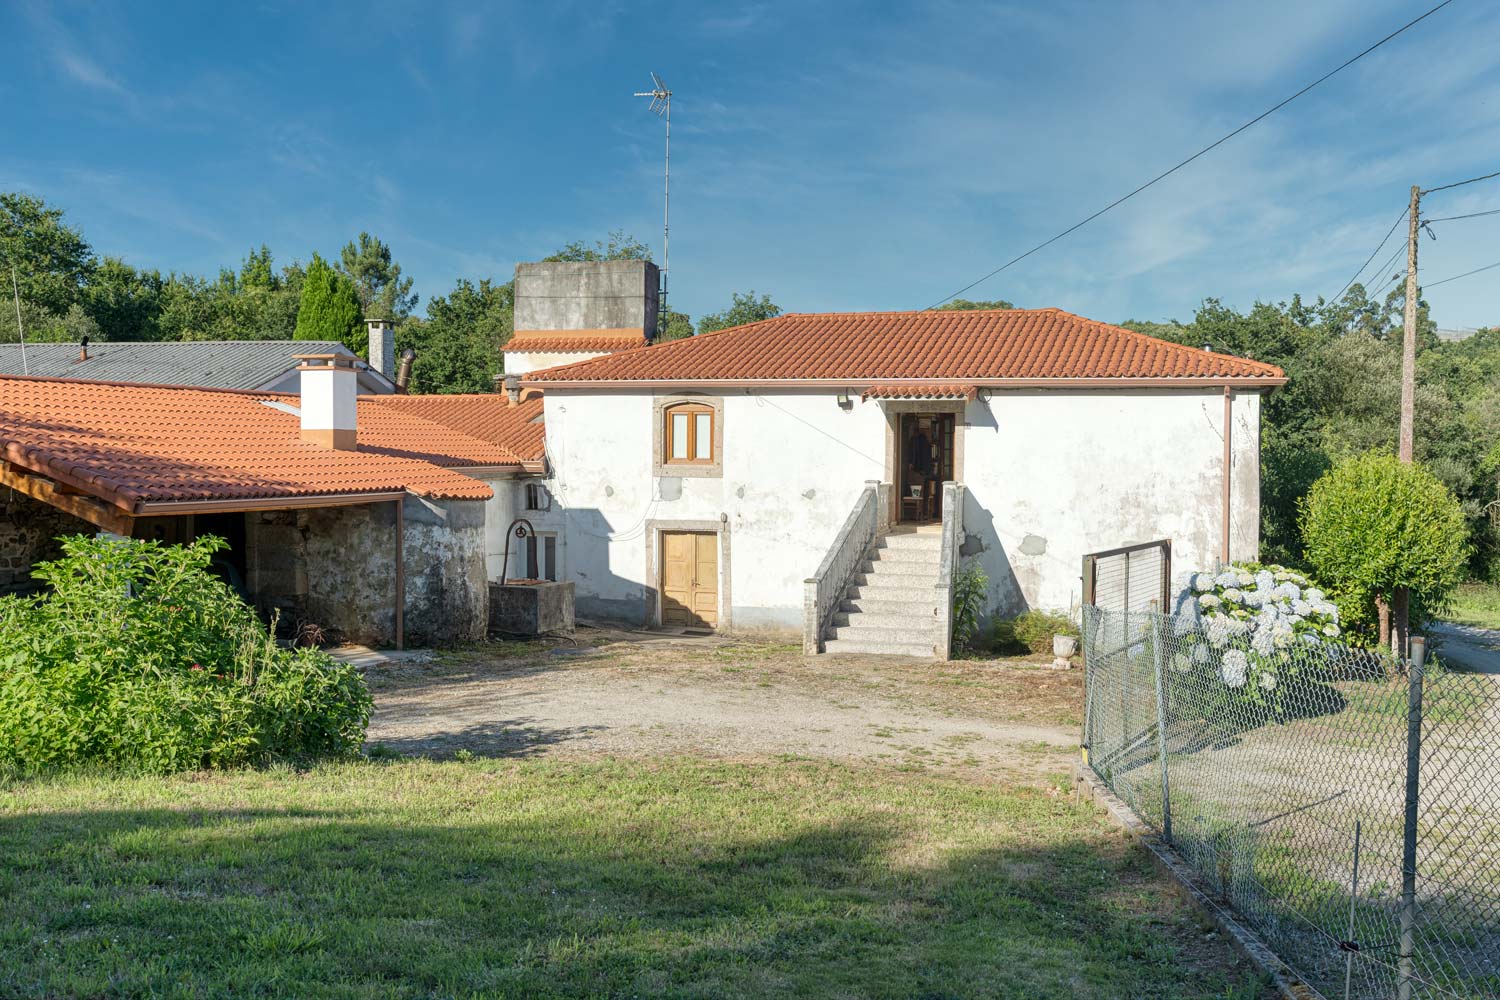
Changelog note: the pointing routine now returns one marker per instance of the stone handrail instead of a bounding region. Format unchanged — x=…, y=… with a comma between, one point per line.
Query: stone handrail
x=825, y=590
x=953, y=536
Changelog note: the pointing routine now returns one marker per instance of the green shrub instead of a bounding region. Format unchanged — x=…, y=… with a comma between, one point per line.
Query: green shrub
x=138, y=655
x=1374, y=524
x=1034, y=630
x=968, y=602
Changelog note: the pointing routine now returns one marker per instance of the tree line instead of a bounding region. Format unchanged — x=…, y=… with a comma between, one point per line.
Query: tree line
x=67, y=292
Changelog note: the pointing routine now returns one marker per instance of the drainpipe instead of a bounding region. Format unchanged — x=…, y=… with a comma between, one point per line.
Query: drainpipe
x=401, y=571
x=1228, y=459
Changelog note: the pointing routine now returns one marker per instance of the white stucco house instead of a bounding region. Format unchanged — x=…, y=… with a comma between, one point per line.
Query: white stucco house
x=829, y=474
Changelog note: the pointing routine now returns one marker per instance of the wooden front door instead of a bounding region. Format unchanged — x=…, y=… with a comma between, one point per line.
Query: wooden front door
x=689, y=578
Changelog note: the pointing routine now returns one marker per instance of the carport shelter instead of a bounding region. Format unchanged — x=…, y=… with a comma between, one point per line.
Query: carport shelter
x=339, y=511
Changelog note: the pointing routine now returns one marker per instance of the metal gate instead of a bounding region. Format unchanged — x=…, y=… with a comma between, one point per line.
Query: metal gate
x=1133, y=578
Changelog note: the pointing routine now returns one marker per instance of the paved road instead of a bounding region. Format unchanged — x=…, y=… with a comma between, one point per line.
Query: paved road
x=1468, y=646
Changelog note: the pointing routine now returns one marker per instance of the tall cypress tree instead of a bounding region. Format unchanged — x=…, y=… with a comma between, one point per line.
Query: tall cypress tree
x=330, y=308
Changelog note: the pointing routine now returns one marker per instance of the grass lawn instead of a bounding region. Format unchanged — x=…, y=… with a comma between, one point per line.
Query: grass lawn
x=1477, y=604
x=544, y=878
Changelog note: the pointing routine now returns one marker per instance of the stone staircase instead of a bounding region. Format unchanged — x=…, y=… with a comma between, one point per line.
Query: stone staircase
x=890, y=606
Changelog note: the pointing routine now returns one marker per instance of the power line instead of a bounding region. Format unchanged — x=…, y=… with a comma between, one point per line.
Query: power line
x=1487, y=267
x=1348, y=284
x=1471, y=215
x=1214, y=145
x=1455, y=184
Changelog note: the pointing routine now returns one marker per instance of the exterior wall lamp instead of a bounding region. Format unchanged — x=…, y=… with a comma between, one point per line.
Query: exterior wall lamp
x=984, y=394
x=845, y=403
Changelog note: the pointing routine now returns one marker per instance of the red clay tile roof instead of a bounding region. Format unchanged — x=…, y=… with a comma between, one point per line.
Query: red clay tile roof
x=490, y=417
x=138, y=444
x=982, y=345
x=920, y=392
x=619, y=339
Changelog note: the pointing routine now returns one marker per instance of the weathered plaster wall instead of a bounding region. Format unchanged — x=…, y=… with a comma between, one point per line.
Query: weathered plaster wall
x=525, y=362
x=793, y=466
x=28, y=535
x=336, y=566
x=1050, y=475
x=509, y=503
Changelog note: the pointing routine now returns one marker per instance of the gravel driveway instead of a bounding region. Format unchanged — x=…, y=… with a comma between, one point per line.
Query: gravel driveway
x=621, y=694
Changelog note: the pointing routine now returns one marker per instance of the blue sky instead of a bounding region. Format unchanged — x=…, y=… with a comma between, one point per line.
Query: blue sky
x=836, y=156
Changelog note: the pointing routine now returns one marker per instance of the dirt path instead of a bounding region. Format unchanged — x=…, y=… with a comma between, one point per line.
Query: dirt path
x=1469, y=646
x=623, y=694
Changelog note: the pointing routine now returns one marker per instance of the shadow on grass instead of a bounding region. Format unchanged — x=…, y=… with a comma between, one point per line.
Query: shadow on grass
x=573, y=885
x=516, y=737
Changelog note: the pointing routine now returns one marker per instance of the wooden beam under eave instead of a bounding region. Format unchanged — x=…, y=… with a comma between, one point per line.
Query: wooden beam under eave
x=94, y=511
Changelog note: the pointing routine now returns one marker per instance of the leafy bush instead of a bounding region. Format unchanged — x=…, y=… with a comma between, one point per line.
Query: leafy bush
x=1374, y=524
x=968, y=602
x=1258, y=626
x=139, y=655
x=1035, y=629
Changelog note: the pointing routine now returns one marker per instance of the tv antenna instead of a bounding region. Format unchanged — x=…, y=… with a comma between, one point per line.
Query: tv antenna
x=661, y=106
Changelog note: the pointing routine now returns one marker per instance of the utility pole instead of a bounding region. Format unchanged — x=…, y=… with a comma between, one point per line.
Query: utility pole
x=1409, y=335
x=1401, y=599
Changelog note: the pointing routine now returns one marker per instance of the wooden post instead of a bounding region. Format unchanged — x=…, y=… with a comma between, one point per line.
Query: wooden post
x=1401, y=599
x=401, y=572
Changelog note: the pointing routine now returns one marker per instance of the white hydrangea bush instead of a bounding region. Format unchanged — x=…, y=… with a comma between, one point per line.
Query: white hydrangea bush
x=1261, y=625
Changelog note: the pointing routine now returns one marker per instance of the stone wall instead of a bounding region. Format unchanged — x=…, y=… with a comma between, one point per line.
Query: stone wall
x=28, y=535
x=336, y=567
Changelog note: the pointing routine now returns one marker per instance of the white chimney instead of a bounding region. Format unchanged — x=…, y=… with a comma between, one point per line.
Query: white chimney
x=382, y=346
x=330, y=386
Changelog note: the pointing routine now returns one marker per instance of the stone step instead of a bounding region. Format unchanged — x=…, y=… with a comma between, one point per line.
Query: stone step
x=896, y=575
x=920, y=556
x=926, y=541
x=885, y=590
x=907, y=623
x=863, y=628
x=876, y=606
x=837, y=647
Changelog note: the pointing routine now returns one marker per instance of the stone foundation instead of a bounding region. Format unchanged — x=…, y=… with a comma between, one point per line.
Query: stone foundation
x=28, y=535
x=336, y=567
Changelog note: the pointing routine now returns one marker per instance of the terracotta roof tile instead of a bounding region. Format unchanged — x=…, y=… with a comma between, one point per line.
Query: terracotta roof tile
x=919, y=392
x=620, y=339
x=131, y=444
x=490, y=417
x=934, y=345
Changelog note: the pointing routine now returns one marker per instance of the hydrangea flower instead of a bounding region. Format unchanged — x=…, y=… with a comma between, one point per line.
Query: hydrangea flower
x=1209, y=601
x=1228, y=578
x=1234, y=668
x=1233, y=596
x=1268, y=680
x=1203, y=582
x=1314, y=595
x=1331, y=630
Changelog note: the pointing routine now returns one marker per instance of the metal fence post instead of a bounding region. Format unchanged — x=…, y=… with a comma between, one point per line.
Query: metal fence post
x=1161, y=724
x=1409, y=836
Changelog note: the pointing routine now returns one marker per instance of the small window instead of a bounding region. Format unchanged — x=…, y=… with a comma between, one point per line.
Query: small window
x=689, y=434
x=537, y=497
x=541, y=557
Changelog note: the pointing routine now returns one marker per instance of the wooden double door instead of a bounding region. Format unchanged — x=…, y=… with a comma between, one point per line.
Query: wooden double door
x=690, y=578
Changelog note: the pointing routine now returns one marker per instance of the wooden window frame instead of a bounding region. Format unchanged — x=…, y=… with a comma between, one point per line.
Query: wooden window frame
x=661, y=408
x=692, y=409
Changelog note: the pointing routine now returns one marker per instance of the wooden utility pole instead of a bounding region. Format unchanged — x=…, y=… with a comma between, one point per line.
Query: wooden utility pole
x=1401, y=599
x=1409, y=335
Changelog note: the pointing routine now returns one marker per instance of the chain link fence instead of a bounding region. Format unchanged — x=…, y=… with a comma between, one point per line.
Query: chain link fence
x=1349, y=810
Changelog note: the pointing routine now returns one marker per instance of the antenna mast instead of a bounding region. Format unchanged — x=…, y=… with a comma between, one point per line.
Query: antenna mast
x=20, y=327
x=661, y=105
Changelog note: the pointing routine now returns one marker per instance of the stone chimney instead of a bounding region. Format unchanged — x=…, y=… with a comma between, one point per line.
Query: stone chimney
x=330, y=386
x=382, y=346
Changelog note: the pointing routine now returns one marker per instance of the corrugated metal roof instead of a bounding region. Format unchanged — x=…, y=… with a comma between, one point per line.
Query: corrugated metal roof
x=209, y=364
